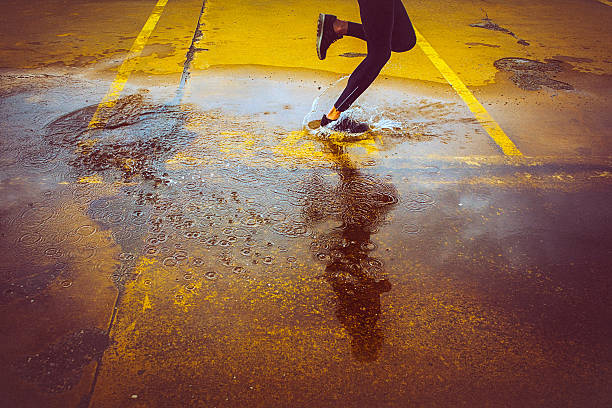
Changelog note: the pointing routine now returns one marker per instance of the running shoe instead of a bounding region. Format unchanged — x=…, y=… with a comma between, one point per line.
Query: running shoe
x=326, y=35
x=345, y=125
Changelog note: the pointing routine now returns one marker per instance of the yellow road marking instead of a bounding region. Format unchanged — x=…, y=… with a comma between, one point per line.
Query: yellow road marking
x=99, y=120
x=481, y=114
x=606, y=2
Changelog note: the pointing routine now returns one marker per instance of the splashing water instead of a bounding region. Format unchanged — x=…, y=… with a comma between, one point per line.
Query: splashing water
x=372, y=115
x=315, y=103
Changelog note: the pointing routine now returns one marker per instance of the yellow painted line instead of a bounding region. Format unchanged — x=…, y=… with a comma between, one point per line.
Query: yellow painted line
x=481, y=114
x=114, y=91
x=606, y=2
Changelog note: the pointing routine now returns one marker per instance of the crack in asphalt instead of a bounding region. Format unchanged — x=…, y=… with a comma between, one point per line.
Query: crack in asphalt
x=197, y=35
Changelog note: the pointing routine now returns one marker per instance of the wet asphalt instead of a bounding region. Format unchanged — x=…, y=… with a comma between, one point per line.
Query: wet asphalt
x=204, y=247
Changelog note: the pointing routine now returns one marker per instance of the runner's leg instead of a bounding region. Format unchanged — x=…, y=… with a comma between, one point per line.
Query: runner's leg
x=356, y=30
x=377, y=21
x=403, y=37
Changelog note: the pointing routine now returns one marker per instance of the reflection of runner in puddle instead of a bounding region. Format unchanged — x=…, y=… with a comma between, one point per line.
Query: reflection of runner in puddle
x=360, y=203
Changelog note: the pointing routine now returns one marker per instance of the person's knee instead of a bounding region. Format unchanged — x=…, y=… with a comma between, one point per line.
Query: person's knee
x=407, y=44
x=411, y=43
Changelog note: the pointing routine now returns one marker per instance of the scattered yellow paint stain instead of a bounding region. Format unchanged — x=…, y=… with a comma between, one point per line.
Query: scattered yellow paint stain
x=289, y=147
x=602, y=174
x=524, y=180
x=86, y=144
x=142, y=271
x=296, y=145
x=472, y=163
x=145, y=265
x=368, y=144
x=563, y=177
x=181, y=158
x=143, y=282
x=242, y=147
x=146, y=303
x=185, y=295
x=95, y=179
x=128, y=164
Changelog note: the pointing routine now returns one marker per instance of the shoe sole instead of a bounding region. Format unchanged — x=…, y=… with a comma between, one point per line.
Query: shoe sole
x=320, y=25
x=314, y=124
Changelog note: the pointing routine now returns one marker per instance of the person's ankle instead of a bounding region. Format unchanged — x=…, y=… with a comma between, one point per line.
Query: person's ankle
x=340, y=27
x=334, y=114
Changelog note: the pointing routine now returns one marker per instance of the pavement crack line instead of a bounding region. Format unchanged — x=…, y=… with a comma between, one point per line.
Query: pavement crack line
x=86, y=399
x=197, y=35
x=99, y=121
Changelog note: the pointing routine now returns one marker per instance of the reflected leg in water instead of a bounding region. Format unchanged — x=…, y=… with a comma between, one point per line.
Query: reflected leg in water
x=358, y=308
x=360, y=203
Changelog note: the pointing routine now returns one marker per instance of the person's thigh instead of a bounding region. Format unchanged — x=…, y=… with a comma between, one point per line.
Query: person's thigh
x=377, y=22
x=403, y=37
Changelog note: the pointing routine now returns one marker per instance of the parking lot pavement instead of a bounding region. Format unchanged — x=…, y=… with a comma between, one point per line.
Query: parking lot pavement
x=174, y=234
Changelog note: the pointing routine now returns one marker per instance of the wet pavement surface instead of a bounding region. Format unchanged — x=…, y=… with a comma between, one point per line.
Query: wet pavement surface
x=205, y=247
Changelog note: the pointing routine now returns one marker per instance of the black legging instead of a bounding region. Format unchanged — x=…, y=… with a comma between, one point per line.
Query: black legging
x=386, y=27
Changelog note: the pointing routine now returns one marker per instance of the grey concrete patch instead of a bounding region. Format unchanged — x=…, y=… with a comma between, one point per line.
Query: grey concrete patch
x=532, y=75
x=474, y=44
x=59, y=367
x=353, y=54
x=488, y=24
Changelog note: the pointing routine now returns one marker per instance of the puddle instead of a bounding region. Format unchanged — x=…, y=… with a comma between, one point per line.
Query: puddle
x=532, y=75
x=138, y=137
x=179, y=185
x=257, y=250
x=414, y=121
x=360, y=204
x=211, y=205
x=27, y=281
x=192, y=196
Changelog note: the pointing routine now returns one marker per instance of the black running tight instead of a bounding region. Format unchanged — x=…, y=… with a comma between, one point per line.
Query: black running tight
x=386, y=27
